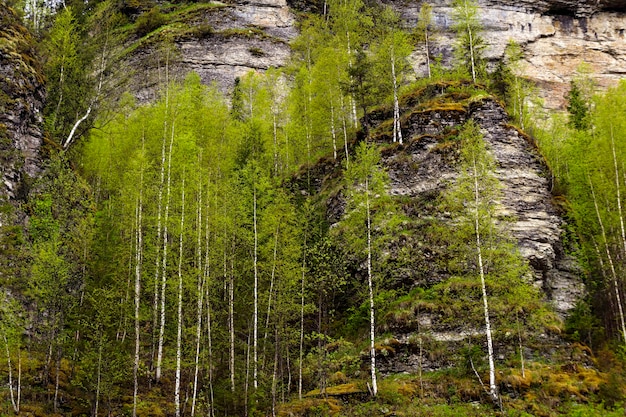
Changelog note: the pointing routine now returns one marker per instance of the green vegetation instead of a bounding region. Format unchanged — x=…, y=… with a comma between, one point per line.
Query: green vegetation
x=241, y=255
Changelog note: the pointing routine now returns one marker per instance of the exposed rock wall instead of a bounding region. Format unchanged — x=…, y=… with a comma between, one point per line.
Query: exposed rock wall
x=21, y=102
x=420, y=172
x=556, y=37
x=234, y=38
x=527, y=204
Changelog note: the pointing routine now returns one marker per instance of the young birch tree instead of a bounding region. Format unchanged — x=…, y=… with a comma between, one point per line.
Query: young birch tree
x=475, y=195
x=370, y=216
x=424, y=31
x=469, y=43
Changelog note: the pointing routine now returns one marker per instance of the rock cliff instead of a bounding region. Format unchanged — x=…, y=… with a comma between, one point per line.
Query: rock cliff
x=226, y=41
x=21, y=102
x=420, y=171
x=556, y=37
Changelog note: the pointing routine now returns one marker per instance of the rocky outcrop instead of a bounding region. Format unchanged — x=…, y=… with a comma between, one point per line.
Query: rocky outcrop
x=426, y=334
x=556, y=37
x=224, y=42
x=422, y=171
x=21, y=102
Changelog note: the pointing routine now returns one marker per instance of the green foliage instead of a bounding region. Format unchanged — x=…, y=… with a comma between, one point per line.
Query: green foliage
x=149, y=21
x=578, y=108
x=469, y=43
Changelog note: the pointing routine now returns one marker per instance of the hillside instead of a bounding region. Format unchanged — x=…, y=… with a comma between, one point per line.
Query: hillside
x=339, y=208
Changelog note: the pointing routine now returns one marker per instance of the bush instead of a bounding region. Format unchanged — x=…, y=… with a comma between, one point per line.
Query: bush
x=149, y=21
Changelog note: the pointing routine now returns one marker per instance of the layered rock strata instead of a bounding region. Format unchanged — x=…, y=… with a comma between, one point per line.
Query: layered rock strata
x=230, y=40
x=556, y=38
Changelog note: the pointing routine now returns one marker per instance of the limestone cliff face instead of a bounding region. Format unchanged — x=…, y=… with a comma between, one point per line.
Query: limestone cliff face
x=556, y=37
x=232, y=39
x=21, y=102
x=421, y=171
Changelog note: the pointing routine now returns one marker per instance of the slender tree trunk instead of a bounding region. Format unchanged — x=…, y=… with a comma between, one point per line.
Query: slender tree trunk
x=11, y=388
x=164, y=263
x=492, y=369
x=231, y=318
x=471, y=44
x=521, y=346
x=426, y=41
x=179, y=329
x=345, y=132
x=157, y=269
x=618, y=194
x=271, y=292
x=56, y=380
x=99, y=375
x=332, y=128
x=68, y=141
x=200, y=303
x=210, y=348
x=274, y=374
x=255, y=318
x=370, y=285
x=397, y=131
x=275, y=132
x=302, y=320
x=618, y=298
x=247, y=381
x=19, y=379
x=355, y=120
x=138, y=262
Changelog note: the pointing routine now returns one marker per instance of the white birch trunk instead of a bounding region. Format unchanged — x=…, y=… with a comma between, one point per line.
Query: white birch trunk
x=471, y=44
x=231, y=318
x=426, y=40
x=179, y=328
x=255, y=318
x=302, y=321
x=271, y=291
x=11, y=389
x=164, y=263
x=138, y=261
x=492, y=369
x=99, y=376
x=332, y=128
x=157, y=269
x=618, y=298
x=397, y=132
x=200, y=303
x=370, y=285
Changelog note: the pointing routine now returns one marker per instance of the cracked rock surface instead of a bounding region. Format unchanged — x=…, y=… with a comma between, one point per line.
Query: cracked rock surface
x=239, y=37
x=555, y=36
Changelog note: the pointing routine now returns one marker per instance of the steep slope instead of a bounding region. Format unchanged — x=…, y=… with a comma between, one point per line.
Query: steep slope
x=431, y=326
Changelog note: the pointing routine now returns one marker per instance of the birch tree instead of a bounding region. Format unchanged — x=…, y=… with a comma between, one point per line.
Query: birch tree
x=475, y=194
x=391, y=63
x=469, y=44
x=369, y=219
x=424, y=32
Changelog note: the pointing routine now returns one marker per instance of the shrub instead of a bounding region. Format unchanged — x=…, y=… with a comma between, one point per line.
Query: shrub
x=149, y=21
